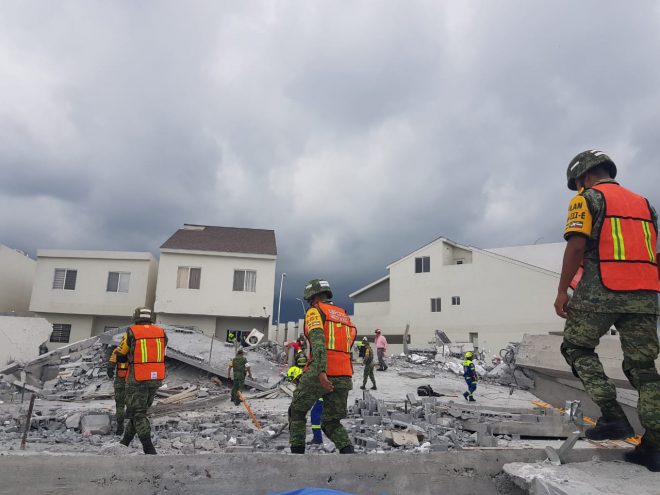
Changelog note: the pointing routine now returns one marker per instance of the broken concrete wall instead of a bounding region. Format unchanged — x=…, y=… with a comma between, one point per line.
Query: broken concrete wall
x=20, y=338
x=393, y=474
x=16, y=283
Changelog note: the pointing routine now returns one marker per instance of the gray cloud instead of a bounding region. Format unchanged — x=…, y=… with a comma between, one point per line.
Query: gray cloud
x=358, y=131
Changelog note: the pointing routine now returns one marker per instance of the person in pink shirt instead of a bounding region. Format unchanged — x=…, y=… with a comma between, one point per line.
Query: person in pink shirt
x=381, y=349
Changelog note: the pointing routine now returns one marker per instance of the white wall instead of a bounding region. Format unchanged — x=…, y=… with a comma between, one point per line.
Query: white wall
x=500, y=300
x=90, y=296
x=16, y=276
x=215, y=295
x=21, y=338
x=204, y=323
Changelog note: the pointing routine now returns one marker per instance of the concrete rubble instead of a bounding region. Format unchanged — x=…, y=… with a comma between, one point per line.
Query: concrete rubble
x=74, y=410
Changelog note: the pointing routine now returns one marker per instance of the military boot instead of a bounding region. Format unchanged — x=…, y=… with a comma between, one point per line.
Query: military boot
x=147, y=446
x=129, y=434
x=120, y=428
x=297, y=449
x=347, y=450
x=610, y=429
x=645, y=455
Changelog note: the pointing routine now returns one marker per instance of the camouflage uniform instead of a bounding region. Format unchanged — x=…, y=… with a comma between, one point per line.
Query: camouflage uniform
x=139, y=398
x=592, y=310
x=310, y=389
x=368, y=366
x=120, y=398
x=238, y=364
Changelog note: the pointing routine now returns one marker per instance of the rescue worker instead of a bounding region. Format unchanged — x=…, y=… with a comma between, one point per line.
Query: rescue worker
x=231, y=337
x=301, y=361
x=360, y=346
x=329, y=373
x=144, y=345
x=470, y=375
x=612, y=232
x=118, y=368
x=240, y=365
x=368, y=363
x=293, y=375
x=381, y=349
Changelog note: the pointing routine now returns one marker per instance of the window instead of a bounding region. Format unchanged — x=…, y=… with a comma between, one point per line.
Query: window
x=65, y=279
x=423, y=264
x=118, y=281
x=455, y=300
x=188, y=277
x=460, y=261
x=61, y=332
x=245, y=280
x=435, y=305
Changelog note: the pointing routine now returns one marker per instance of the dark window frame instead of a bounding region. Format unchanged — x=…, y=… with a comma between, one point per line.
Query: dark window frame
x=423, y=264
x=61, y=333
x=68, y=280
x=436, y=305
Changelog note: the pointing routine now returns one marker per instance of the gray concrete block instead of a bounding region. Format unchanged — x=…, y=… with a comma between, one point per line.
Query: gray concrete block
x=95, y=424
x=73, y=421
x=371, y=420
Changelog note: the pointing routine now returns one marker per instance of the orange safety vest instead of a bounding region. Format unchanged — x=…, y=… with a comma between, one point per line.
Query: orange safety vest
x=340, y=333
x=627, y=241
x=148, y=359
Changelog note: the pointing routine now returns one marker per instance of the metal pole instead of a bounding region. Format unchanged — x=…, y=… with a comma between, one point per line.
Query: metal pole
x=28, y=423
x=279, y=304
x=211, y=351
x=302, y=305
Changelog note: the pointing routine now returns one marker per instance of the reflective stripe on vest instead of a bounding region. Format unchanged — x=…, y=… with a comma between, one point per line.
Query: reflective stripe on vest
x=626, y=248
x=148, y=357
x=339, y=337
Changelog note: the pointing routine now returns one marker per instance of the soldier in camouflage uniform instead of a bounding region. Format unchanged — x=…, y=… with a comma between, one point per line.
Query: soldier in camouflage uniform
x=140, y=393
x=369, y=366
x=594, y=308
x=240, y=365
x=317, y=381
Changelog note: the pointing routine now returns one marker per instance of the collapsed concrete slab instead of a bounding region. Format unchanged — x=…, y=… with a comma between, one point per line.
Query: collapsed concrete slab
x=584, y=478
x=476, y=471
x=21, y=337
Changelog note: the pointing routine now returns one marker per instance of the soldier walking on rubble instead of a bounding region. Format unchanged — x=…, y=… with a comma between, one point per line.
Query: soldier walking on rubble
x=240, y=365
x=612, y=232
x=118, y=368
x=329, y=372
x=369, y=366
x=144, y=345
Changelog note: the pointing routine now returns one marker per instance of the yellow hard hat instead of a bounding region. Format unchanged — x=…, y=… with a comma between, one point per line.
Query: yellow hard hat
x=294, y=373
x=469, y=355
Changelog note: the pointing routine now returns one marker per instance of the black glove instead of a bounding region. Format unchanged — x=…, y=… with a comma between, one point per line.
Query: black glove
x=111, y=372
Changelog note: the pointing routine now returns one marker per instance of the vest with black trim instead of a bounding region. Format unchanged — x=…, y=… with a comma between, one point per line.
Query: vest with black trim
x=340, y=333
x=627, y=240
x=148, y=358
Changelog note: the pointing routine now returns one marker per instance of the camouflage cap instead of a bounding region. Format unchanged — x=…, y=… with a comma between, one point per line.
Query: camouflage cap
x=584, y=162
x=142, y=314
x=315, y=287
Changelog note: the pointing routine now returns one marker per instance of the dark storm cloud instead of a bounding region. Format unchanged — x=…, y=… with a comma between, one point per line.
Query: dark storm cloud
x=358, y=131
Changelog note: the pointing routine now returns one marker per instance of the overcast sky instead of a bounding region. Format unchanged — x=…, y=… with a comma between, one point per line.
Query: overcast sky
x=358, y=131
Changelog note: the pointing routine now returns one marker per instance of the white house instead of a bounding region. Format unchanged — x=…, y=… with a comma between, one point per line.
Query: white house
x=16, y=276
x=84, y=293
x=473, y=295
x=217, y=279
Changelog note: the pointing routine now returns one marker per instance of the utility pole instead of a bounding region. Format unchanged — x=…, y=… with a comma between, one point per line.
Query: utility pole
x=279, y=304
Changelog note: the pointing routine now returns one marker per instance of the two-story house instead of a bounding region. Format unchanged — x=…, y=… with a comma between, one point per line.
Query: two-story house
x=84, y=293
x=473, y=295
x=17, y=270
x=217, y=279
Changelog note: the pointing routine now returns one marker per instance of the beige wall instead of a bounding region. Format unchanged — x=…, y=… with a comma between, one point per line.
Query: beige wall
x=81, y=327
x=90, y=296
x=500, y=300
x=16, y=276
x=215, y=295
x=206, y=324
